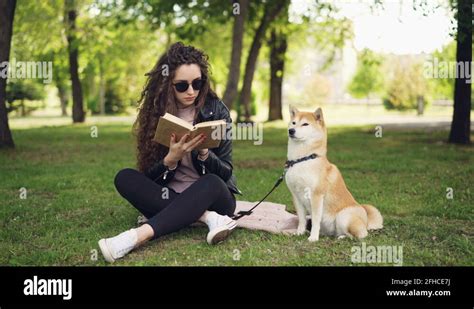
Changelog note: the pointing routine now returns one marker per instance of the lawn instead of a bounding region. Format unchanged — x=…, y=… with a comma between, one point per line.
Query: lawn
x=71, y=201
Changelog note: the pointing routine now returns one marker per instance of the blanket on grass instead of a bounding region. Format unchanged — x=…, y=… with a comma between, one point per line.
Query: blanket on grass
x=268, y=216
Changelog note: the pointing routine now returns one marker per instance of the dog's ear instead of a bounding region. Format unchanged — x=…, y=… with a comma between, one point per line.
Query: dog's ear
x=293, y=111
x=318, y=114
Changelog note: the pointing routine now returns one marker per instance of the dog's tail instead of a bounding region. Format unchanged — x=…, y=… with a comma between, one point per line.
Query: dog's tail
x=374, y=217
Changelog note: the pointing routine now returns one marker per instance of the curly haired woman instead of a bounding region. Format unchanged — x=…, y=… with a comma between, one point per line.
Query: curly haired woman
x=177, y=186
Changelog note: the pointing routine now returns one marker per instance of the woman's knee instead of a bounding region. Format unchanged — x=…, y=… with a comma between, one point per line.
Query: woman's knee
x=227, y=202
x=123, y=177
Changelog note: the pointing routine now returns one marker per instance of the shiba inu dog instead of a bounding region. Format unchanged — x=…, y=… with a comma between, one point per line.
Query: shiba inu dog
x=317, y=185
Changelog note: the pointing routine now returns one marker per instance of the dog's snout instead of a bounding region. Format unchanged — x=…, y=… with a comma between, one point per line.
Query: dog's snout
x=291, y=132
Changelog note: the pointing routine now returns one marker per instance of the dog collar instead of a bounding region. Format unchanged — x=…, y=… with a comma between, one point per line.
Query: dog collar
x=290, y=163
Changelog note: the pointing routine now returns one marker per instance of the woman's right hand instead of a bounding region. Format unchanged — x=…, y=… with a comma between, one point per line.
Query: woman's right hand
x=178, y=149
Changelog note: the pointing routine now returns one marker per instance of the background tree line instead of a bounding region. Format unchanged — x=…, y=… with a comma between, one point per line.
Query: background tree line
x=101, y=49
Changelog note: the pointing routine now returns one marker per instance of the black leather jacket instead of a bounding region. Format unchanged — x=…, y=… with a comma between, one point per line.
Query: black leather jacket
x=219, y=160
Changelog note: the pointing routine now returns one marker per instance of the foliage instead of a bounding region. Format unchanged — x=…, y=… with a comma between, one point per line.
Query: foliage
x=20, y=90
x=368, y=78
x=443, y=87
x=406, y=85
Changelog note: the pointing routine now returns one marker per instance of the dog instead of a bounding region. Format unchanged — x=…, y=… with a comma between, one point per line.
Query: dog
x=317, y=186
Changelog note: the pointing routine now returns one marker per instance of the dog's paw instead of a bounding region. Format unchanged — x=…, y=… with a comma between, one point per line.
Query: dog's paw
x=301, y=229
x=313, y=238
x=300, y=232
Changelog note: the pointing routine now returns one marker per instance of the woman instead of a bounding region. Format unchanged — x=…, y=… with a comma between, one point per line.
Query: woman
x=177, y=186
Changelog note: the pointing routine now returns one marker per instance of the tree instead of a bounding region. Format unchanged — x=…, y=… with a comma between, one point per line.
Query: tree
x=193, y=22
x=278, y=47
x=110, y=81
x=406, y=85
x=35, y=21
x=271, y=11
x=60, y=79
x=443, y=86
x=70, y=15
x=7, y=14
x=461, y=124
x=231, y=89
x=278, y=43
x=368, y=78
x=320, y=23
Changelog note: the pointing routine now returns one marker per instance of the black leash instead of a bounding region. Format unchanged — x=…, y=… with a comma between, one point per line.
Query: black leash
x=288, y=164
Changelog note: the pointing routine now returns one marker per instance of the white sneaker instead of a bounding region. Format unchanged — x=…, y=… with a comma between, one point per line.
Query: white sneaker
x=220, y=228
x=117, y=247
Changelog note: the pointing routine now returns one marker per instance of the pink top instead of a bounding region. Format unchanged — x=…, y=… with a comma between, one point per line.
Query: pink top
x=185, y=175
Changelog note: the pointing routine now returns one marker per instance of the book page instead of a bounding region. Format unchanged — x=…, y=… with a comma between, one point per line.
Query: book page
x=214, y=134
x=178, y=121
x=210, y=123
x=169, y=124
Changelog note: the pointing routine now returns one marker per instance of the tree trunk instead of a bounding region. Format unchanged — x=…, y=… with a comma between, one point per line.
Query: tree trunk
x=22, y=108
x=7, y=14
x=278, y=45
x=168, y=40
x=231, y=89
x=101, y=87
x=63, y=94
x=461, y=124
x=102, y=95
x=78, y=114
x=272, y=8
x=63, y=98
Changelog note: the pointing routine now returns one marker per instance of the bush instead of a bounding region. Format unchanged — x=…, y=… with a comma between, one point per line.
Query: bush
x=114, y=100
x=406, y=85
x=20, y=91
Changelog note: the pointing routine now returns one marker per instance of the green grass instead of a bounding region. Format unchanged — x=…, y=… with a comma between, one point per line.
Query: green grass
x=72, y=202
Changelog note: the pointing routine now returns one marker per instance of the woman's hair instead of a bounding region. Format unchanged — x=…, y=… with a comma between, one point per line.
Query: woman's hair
x=157, y=98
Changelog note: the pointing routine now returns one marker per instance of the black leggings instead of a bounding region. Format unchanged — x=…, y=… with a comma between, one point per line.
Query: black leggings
x=168, y=211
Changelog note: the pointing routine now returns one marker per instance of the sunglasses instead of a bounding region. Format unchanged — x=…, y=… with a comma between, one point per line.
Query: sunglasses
x=183, y=85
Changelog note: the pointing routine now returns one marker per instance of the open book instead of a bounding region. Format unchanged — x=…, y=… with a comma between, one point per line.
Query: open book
x=168, y=124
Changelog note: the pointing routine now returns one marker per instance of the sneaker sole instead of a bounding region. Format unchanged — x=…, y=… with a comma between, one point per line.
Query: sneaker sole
x=220, y=234
x=105, y=251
